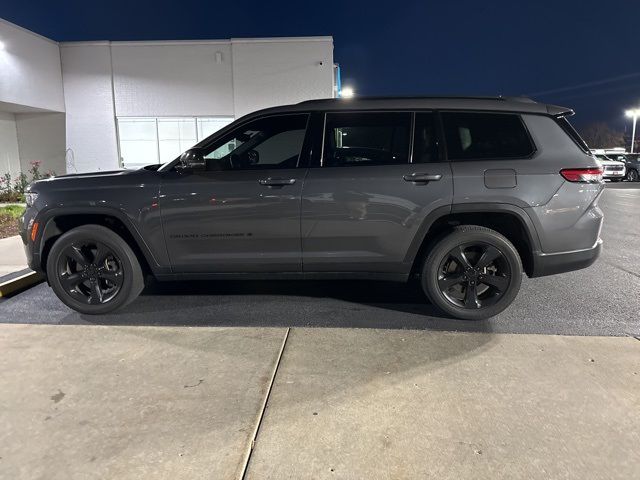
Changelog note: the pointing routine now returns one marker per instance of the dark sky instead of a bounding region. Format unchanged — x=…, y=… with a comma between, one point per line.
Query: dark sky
x=582, y=54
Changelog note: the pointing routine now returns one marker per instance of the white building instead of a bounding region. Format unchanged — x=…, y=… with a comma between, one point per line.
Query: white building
x=85, y=106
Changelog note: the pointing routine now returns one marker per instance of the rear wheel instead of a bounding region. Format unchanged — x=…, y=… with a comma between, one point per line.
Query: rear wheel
x=632, y=176
x=473, y=273
x=93, y=270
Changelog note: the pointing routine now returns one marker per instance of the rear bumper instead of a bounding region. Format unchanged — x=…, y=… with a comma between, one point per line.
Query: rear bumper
x=550, y=264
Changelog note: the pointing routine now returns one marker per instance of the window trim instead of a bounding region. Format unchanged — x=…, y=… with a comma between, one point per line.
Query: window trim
x=441, y=144
x=534, y=150
x=411, y=114
x=232, y=128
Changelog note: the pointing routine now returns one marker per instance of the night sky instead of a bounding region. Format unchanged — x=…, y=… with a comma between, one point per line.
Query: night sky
x=582, y=54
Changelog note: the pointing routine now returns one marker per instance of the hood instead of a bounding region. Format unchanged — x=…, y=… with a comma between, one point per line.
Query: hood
x=111, y=178
x=611, y=163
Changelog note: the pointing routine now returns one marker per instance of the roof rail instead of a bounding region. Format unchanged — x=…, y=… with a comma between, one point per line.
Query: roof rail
x=431, y=97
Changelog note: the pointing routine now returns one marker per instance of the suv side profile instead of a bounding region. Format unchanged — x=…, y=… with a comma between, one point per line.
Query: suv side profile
x=465, y=193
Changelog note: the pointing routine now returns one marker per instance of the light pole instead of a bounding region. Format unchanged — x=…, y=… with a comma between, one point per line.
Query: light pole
x=633, y=113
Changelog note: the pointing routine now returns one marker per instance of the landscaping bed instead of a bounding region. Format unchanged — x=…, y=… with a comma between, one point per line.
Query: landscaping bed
x=9, y=220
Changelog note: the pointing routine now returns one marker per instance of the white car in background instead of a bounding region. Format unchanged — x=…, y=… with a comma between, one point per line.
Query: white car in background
x=613, y=169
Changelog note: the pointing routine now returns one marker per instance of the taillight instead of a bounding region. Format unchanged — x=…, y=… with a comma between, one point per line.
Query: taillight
x=583, y=175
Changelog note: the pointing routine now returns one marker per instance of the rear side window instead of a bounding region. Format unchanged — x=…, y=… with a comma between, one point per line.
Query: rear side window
x=366, y=138
x=472, y=136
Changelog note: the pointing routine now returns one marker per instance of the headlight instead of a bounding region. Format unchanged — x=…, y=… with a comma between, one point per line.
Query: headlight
x=31, y=198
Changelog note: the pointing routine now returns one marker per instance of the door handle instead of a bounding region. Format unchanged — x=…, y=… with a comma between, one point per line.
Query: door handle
x=276, y=182
x=422, y=177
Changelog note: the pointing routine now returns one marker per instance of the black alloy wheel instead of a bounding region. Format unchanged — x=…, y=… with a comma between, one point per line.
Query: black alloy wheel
x=474, y=275
x=90, y=272
x=633, y=176
x=93, y=270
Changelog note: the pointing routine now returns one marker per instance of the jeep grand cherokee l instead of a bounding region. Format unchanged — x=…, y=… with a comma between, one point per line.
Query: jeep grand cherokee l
x=465, y=193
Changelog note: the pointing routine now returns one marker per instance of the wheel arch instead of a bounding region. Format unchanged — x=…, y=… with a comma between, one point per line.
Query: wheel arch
x=60, y=221
x=511, y=221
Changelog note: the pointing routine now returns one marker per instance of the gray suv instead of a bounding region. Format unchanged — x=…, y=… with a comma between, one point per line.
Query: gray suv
x=464, y=193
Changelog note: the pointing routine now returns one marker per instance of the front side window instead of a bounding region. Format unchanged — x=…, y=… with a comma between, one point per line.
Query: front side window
x=479, y=135
x=361, y=139
x=266, y=143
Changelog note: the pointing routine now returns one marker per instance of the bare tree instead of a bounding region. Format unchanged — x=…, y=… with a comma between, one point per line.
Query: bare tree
x=600, y=135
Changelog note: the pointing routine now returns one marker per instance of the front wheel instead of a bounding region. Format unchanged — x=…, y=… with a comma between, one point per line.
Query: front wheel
x=473, y=273
x=93, y=270
x=632, y=176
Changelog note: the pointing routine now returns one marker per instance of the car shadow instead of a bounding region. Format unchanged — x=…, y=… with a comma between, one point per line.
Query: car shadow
x=329, y=304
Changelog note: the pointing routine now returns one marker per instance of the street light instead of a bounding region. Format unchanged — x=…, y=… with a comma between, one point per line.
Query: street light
x=633, y=113
x=347, y=92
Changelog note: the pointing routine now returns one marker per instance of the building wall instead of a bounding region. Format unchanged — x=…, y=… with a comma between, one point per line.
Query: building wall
x=9, y=155
x=172, y=79
x=91, y=128
x=29, y=69
x=41, y=138
x=104, y=81
x=270, y=72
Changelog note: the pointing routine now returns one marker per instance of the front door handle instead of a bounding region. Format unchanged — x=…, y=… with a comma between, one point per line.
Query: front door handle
x=276, y=182
x=422, y=177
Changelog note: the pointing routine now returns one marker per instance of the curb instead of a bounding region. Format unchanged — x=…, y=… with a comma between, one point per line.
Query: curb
x=19, y=283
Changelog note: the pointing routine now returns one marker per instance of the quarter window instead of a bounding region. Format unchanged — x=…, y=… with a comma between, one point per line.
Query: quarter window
x=485, y=136
x=267, y=143
x=361, y=139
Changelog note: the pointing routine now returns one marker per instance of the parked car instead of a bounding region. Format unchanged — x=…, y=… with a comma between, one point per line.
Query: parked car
x=614, y=170
x=632, y=164
x=467, y=194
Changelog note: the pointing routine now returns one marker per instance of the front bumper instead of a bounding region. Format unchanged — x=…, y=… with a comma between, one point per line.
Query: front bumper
x=33, y=255
x=550, y=264
x=614, y=174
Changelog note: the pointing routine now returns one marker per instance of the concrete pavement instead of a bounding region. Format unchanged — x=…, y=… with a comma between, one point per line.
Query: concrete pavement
x=12, y=256
x=130, y=403
x=83, y=402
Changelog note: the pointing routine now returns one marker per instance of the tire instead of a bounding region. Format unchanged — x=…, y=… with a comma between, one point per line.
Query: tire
x=633, y=176
x=444, y=266
x=93, y=270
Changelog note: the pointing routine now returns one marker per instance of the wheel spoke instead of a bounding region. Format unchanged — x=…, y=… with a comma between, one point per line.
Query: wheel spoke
x=96, y=294
x=102, y=252
x=114, y=277
x=76, y=254
x=490, y=254
x=471, y=297
x=449, y=281
x=458, y=254
x=70, y=280
x=499, y=282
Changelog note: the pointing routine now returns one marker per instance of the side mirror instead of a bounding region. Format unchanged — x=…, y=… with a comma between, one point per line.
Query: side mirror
x=193, y=159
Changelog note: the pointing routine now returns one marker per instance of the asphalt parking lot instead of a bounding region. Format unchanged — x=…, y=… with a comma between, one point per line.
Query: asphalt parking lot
x=601, y=300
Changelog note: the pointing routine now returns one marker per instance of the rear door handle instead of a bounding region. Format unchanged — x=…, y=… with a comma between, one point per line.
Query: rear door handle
x=276, y=182
x=422, y=177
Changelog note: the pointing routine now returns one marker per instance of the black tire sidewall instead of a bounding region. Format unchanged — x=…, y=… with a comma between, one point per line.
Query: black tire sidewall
x=132, y=274
x=461, y=235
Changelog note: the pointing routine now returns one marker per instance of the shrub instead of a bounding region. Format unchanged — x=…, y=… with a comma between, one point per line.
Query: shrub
x=12, y=190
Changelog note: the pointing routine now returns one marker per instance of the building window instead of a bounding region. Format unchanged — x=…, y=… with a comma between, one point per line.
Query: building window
x=149, y=140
